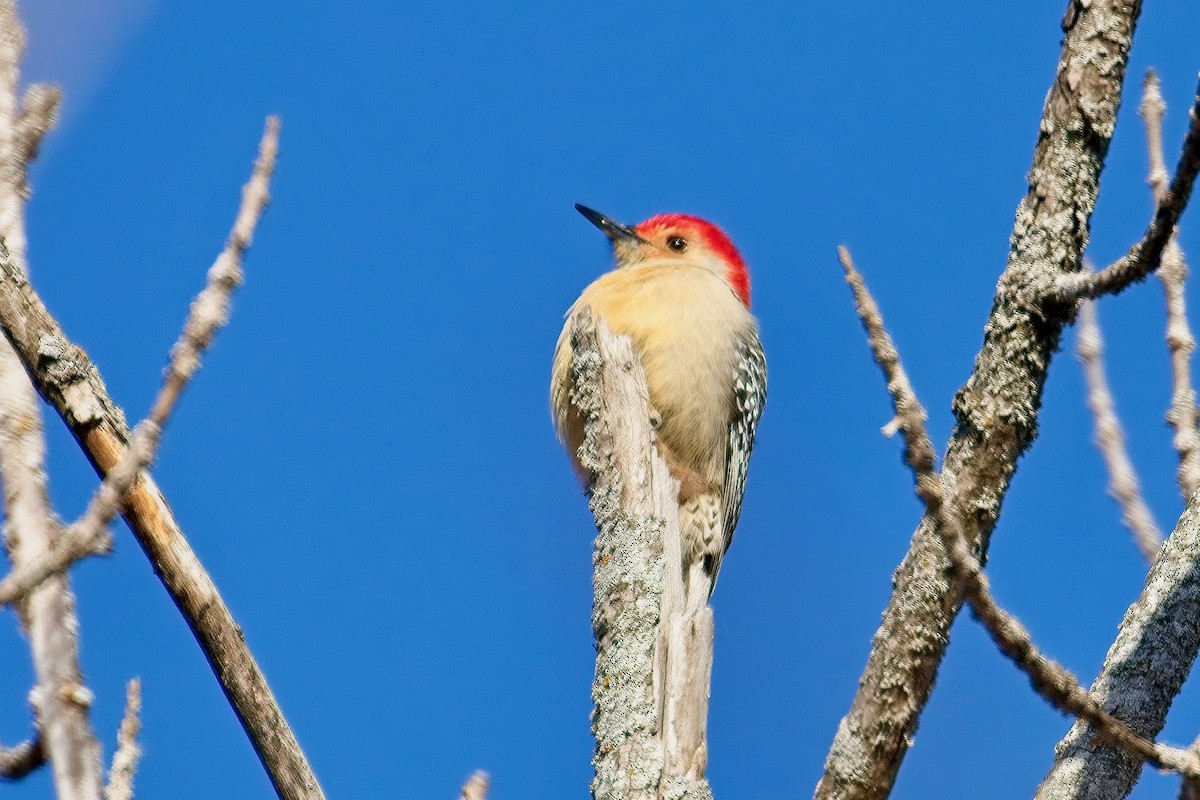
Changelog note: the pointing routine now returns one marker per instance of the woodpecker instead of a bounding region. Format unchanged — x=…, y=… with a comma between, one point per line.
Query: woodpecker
x=681, y=293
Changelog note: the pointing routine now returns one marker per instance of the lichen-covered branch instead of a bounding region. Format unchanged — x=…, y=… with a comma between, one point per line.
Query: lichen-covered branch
x=996, y=411
x=1123, y=483
x=1158, y=640
x=1155, y=648
x=1049, y=678
x=69, y=381
x=1145, y=256
x=634, y=500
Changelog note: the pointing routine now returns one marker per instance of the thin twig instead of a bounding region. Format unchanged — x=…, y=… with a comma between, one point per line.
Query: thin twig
x=88, y=536
x=209, y=312
x=1049, y=678
x=70, y=382
x=19, y=760
x=60, y=699
x=1145, y=256
x=919, y=452
x=1152, y=110
x=476, y=787
x=1173, y=273
x=1123, y=483
x=124, y=763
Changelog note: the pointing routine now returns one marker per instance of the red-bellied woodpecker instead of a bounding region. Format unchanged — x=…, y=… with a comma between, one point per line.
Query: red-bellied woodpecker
x=682, y=294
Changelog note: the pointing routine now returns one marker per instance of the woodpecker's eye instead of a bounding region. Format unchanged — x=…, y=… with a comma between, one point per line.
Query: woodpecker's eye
x=677, y=243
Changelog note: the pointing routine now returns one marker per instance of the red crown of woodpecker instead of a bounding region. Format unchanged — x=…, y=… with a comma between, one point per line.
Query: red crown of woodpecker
x=716, y=239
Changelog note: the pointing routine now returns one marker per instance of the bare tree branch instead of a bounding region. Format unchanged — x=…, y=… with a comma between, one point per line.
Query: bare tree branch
x=124, y=764
x=1173, y=273
x=628, y=564
x=996, y=411
x=1155, y=648
x=1049, y=678
x=1152, y=110
x=90, y=535
x=1080, y=761
x=476, y=787
x=69, y=381
x=209, y=312
x=642, y=752
x=1144, y=257
x=60, y=700
x=19, y=760
x=1123, y=483
x=1158, y=640
x=910, y=414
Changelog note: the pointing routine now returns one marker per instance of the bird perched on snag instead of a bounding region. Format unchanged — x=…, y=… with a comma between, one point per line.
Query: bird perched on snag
x=681, y=293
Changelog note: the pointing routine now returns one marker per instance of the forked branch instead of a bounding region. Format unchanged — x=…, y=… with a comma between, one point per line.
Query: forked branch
x=1145, y=256
x=1173, y=273
x=209, y=312
x=1048, y=677
x=996, y=411
x=69, y=381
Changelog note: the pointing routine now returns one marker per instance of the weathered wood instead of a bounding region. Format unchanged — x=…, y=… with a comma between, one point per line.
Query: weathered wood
x=653, y=659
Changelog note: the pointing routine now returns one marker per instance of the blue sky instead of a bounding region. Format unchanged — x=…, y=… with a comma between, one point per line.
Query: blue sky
x=366, y=463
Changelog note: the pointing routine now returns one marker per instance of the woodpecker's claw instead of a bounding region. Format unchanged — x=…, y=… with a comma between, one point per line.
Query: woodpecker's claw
x=612, y=229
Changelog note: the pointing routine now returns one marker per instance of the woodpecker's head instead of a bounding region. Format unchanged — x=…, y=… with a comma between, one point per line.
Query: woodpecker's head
x=670, y=238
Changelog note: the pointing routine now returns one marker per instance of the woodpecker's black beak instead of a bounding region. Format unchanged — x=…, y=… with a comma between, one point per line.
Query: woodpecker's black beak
x=611, y=228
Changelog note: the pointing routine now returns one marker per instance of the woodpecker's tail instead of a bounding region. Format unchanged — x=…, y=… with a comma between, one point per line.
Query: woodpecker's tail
x=701, y=528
